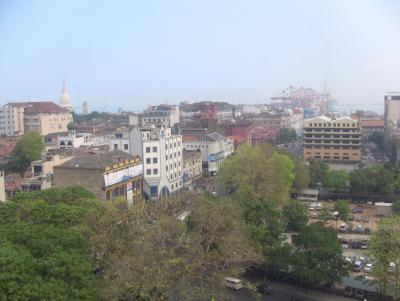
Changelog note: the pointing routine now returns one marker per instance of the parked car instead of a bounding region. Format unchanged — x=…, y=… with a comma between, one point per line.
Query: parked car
x=356, y=245
x=358, y=218
x=343, y=228
x=264, y=289
x=368, y=268
x=360, y=228
x=364, y=244
x=358, y=265
x=365, y=219
x=367, y=230
x=233, y=283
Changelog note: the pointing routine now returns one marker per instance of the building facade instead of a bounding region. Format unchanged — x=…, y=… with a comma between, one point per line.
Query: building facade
x=214, y=149
x=161, y=116
x=392, y=127
x=11, y=120
x=109, y=176
x=74, y=140
x=162, y=159
x=332, y=139
x=288, y=118
x=44, y=117
x=192, y=168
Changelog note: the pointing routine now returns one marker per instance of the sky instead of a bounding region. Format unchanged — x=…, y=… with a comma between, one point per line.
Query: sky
x=130, y=54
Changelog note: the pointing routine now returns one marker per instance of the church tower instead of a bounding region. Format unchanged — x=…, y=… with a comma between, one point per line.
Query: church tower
x=64, y=99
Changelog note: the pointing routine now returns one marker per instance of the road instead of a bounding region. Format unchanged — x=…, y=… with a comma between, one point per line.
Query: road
x=283, y=292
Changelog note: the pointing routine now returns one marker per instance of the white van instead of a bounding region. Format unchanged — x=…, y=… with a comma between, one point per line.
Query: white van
x=233, y=283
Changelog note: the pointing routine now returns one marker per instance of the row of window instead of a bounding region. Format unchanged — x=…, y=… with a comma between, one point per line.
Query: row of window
x=345, y=158
x=148, y=149
x=331, y=147
x=170, y=155
x=331, y=130
x=177, y=185
x=148, y=160
x=333, y=124
x=170, y=166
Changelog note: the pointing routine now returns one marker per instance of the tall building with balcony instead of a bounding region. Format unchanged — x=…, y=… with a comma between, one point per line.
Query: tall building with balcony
x=161, y=116
x=162, y=154
x=332, y=139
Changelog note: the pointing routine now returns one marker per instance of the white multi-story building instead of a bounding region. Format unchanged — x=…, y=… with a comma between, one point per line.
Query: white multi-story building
x=214, y=149
x=11, y=120
x=119, y=140
x=74, y=140
x=161, y=116
x=162, y=155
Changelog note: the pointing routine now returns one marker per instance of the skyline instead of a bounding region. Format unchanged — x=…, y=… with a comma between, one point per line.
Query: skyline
x=133, y=54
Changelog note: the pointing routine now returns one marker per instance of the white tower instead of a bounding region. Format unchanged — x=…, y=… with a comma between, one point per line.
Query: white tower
x=64, y=99
x=85, y=108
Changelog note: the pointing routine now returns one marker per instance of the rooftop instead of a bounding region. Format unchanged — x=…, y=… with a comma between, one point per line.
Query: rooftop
x=39, y=107
x=372, y=123
x=95, y=160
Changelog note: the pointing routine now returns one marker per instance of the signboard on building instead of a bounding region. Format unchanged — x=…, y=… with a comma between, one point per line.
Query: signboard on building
x=123, y=175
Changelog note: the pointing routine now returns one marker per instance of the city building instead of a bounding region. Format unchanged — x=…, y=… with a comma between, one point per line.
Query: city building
x=44, y=117
x=90, y=128
x=45, y=167
x=287, y=118
x=372, y=125
x=64, y=98
x=119, y=140
x=11, y=120
x=214, y=149
x=109, y=176
x=71, y=139
x=392, y=126
x=192, y=168
x=162, y=159
x=332, y=139
x=85, y=108
x=161, y=116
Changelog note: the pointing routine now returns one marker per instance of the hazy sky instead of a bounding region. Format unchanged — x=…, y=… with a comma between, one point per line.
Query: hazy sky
x=133, y=53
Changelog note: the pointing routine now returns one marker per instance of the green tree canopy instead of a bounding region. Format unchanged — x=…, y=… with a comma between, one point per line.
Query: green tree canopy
x=318, y=259
x=336, y=179
x=28, y=148
x=396, y=207
x=44, y=252
x=295, y=215
x=343, y=208
x=286, y=135
x=257, y=173
x=377, y=138
x=376, y=179
x=318, y=170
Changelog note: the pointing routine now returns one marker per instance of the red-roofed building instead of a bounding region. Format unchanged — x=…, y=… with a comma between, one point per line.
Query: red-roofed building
x=369, y=126
x=44, y=117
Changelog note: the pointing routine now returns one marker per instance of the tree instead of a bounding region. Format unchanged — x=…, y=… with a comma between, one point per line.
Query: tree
x=302, y=176
x=43, y=247
x=257, y=173
x=286, y=135
x=376, y=179
x=325, y=214
x=396, y=207
x=153, y=256
x=384, y=246
x=28, y=148
x=318, y=170
x=318, y=258
x=295, y=215
x=336, y=179
x=343, y=208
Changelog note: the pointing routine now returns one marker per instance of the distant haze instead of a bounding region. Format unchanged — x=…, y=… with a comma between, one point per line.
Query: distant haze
x=133, y=53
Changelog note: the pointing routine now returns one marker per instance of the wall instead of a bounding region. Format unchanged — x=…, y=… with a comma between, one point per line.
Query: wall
x=91, y=179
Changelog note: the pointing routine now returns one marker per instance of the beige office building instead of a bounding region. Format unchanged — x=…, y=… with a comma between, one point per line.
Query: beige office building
x=332, y=139
x=44, y=117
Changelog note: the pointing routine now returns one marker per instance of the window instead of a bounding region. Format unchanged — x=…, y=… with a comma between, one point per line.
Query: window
x=155, y=171
x=155, y=160
x=154, y=149
x=166, y=168
x=147, y=149
x=115, y=146
x=148, y=160
x=166, y=157
x=125, y=146
x=148, y=172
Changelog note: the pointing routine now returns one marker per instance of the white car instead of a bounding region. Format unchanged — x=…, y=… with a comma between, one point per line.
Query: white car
x=368, y=268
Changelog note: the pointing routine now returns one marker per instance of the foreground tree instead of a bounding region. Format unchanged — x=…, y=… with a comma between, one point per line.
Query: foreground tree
x=295, y=215
x=43, y=246
x=28, y=148
x=318, y=259
x=164, y=259
x=377, y=179
x=336, y=180
x=384, y=246
x=318, y=170
x=343, y=208
x=286, y=135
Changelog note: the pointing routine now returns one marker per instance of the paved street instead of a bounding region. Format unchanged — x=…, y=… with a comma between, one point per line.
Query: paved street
x=283, y=292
